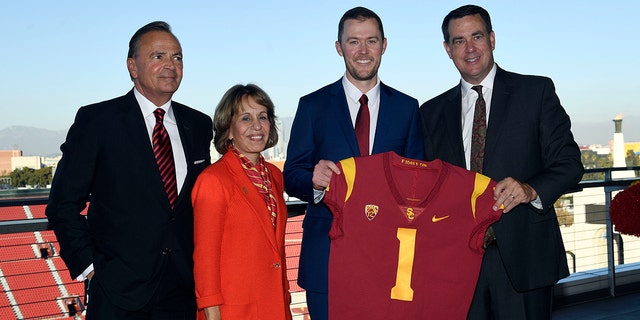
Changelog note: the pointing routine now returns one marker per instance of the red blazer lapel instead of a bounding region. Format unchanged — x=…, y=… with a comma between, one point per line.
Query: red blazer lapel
x=258, y=208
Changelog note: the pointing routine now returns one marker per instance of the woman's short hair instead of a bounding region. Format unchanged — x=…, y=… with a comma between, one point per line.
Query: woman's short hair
x=230, y=105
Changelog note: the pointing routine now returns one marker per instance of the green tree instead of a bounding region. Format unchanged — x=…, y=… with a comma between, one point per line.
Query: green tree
x=42, y=177
x=39, y=178
x=19, y=177
x=593, y=160
x=632, y=160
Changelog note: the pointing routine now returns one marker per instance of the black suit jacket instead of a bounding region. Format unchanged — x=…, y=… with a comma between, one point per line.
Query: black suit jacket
x=529, y=139
x=130, y=232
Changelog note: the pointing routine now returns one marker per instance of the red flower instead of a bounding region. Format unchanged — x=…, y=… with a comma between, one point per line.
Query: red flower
x=625, y=211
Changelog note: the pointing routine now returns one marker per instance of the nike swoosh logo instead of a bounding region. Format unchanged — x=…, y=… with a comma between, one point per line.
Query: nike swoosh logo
x=435, y=219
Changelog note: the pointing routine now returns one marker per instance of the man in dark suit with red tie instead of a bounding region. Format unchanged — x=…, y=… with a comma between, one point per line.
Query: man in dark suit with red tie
x=331, y=125
x=527, y=147
x=134, y=159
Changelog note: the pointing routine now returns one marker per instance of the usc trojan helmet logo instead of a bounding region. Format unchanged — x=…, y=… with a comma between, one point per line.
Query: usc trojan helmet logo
x=371, y=210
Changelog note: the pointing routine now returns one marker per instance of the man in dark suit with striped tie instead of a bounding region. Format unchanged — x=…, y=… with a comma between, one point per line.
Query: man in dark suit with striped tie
x=134, y=159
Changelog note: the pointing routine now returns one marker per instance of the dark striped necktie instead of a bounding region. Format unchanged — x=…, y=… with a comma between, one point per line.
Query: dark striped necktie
x=164, y=157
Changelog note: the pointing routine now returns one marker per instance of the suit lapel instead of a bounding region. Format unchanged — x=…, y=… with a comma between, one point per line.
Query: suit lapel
x=385, y=111
x=138, y=141
x=186, y=137
x=339, y=101
x=453, y=126
x=282, y=217
x=498, y=113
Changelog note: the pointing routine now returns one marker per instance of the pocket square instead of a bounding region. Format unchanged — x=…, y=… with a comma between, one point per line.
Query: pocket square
x=198, y=161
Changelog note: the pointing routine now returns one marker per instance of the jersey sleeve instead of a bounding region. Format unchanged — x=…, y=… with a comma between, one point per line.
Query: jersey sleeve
x=482, y=209
x=337, y=194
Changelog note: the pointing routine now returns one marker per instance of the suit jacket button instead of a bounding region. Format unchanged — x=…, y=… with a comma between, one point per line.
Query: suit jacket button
x=276, y=265
x=166, y=251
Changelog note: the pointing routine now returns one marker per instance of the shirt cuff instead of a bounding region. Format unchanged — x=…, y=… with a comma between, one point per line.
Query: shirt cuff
x=318, y=195
x=537, y=203
x=83, y=275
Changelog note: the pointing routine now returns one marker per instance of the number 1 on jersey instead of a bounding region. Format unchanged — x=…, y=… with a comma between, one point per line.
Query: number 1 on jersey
x=402, y=290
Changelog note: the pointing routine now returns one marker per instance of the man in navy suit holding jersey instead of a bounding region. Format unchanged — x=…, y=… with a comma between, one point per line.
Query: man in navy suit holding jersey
x=325, y=130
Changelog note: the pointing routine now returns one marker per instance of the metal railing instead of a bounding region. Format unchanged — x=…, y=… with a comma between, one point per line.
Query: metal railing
x=601, y=261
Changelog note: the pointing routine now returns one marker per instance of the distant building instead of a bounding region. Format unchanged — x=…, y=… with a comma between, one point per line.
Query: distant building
x=617, y=147
x=5, y=160
x=619, y=150
x=277, y=152
x=51, y=161
x=33, y=162
x=598, y=149
x=633, y=146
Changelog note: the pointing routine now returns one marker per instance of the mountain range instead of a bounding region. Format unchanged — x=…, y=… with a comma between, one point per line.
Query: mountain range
x=32, y=141
x=42, y=142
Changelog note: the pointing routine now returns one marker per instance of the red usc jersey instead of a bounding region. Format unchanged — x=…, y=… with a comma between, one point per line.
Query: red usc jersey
x=406, y=239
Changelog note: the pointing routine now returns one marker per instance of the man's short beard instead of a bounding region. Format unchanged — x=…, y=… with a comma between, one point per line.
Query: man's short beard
x=368, y=77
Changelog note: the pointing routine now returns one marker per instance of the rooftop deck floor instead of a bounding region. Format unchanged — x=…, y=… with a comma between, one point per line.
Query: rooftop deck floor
x=621, y=307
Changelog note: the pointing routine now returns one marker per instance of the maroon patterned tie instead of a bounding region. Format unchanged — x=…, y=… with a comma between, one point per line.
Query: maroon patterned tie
x=478, y=136
x=479, y=132
x=164, y=157
x=362, y=126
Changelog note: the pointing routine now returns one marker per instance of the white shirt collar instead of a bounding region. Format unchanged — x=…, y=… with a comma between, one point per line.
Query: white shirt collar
x=147, y=107
x=354, y=94
x=487, y=82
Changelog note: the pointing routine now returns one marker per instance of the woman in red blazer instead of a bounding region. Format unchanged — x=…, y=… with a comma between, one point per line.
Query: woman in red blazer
x=240, y=216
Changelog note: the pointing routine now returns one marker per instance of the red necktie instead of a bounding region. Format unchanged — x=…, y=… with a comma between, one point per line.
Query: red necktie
x=479, y=132
x=164, y=157
x=362, y=126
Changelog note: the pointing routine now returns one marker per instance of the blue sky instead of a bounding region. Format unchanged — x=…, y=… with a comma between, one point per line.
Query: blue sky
x=60, y=55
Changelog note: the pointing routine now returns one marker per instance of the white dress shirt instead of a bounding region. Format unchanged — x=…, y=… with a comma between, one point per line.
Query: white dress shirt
x=353, y=101
x=147, y=107
x=469, y=97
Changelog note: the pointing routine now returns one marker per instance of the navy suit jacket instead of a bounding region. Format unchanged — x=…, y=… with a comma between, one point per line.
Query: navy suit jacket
x=130, y=232
x=323, y=130
x=528, y=138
